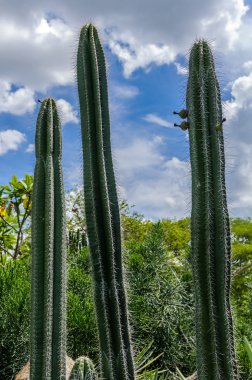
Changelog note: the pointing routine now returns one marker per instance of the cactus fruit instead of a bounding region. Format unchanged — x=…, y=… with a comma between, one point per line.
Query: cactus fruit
x=48, y=269
x=184, y=125
x=182, y=113
x=209, y=221
x=102, y=210
x=83, y=369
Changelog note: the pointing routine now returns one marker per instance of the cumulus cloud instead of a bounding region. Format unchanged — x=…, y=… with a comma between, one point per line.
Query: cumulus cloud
x=16, y=102
x=134, y=55
x=152, y=182
x=30, y=148
x=39, y=39
x=155, y=119
x=181, y=70
x=123, y=91
x=10, y=139
x=238, y=133
x=37, y=51
x=68, y=114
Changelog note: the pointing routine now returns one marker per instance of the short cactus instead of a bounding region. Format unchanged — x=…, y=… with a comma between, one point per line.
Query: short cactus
x=83, y=369
x=210, y=220
x=102, y=210
x=48, y=270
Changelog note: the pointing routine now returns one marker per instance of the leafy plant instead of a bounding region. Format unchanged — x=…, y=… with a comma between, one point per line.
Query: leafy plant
x=14, y=315
x=160, y=300
x=15, y=210
x=248, y=349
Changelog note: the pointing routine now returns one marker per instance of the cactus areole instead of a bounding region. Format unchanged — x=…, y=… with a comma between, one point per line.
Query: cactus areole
x=102, y=210
x=48, y=271
x=209, y=220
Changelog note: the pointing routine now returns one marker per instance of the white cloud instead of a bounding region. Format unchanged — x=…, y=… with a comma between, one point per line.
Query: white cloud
x=30, y=148
x=67, y=113
x=181, y=70
x=248, y=65
x=17, y=102
x=238, y=133
x=154, y=184
x=10, y=139
x=135, y=55
x=123, y=91
x=37, y=51
x=154, y=119
x=39, y=48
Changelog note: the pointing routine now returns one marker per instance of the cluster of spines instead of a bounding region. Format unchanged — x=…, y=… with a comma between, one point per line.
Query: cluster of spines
x=48, y=269
x=83, y=369
x=102, y=210
x=210, y=229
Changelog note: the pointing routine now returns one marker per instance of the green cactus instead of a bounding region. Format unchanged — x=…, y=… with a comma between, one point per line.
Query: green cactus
x=83, y=369
x=102, y=210
x=210, y=220
x=48, y=270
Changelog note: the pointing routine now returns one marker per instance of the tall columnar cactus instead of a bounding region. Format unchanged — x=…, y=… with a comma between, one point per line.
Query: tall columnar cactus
x=210, y=221
x=102, y=210
x=48, y=272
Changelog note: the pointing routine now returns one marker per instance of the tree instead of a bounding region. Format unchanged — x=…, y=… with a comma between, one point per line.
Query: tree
x=15, y=211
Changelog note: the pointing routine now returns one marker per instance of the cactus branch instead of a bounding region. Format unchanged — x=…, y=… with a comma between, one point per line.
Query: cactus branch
x=210, y=220
x=102, y=210
x=48, y=274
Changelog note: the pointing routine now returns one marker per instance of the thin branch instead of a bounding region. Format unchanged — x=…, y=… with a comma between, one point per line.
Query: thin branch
x=8, y=224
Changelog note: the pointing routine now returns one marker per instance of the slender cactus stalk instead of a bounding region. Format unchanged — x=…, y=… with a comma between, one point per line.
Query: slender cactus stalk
x=83, y=369
x=102, y=210
x=210, y=229
x=48, y=272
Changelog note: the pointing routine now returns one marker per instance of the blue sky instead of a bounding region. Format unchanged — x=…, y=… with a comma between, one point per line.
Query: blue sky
x=146, y=45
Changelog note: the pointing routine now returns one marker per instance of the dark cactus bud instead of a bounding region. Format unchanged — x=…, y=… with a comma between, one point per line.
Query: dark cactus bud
x=182, y=113
x=184, y=125
x=218, y=126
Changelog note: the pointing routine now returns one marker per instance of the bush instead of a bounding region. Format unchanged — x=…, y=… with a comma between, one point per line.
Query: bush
x=160, y=301
x=14, y=316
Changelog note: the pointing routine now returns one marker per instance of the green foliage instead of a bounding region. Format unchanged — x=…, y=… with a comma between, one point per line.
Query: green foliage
x=248, y=349
x=48, y=269
x=242, y=288
x=144, y=360
x=172, y=239
x=81, y=327
x=211, y=244
x=15, y=210
x=102, y=210
x=14, y=315
x=161, y=304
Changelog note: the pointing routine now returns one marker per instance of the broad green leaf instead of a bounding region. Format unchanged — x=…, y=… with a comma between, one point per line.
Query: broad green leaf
x=248, y=348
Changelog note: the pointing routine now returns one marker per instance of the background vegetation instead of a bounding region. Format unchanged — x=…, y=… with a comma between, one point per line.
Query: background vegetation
x=158, y=272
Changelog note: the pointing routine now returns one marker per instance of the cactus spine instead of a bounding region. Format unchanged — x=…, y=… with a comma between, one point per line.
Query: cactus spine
x=102, y=210
x=210, y=220
x=48, y=272
x=83, y=369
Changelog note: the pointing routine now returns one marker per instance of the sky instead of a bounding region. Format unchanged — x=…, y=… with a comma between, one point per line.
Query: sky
x=147, y=45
